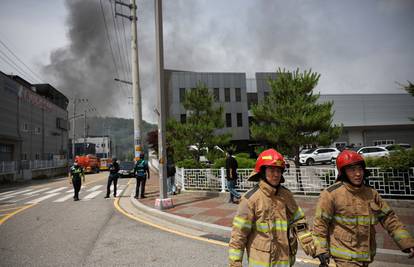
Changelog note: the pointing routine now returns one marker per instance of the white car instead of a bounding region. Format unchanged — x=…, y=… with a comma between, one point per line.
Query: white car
x=373, y=151
x=318, y=155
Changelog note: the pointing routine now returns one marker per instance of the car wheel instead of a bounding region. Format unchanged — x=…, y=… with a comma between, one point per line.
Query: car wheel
x=310, y=162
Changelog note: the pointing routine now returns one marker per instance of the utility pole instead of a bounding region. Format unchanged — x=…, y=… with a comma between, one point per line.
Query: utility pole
x=84, y=133
x=163, y=202
x=136, y=90
x=73, y=137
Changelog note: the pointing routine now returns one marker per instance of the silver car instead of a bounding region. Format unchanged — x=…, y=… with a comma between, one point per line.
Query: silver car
x=373, y=151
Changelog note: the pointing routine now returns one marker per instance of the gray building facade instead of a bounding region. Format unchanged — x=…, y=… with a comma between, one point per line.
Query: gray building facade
x=33, y=121
x=229, y=90
x=367, y=119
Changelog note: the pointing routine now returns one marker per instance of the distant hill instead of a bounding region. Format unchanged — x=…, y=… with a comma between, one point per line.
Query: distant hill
x=120, y=130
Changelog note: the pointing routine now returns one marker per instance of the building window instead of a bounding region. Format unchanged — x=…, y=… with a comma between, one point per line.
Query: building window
x=251, y=100
x=37, y=130
x=182, y=94
x=103, y=144
x=266, y=94
x=25, y=127
x=238, y=94
x=37, y=156
x=239, y=120
x=217, y=94
x=228, y=120
x=227, y=94
x=183, y=118
x=383, y=142
x=24, y=156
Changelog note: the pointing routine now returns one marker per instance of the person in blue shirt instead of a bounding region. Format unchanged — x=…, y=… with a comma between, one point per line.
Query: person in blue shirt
x=141, y=173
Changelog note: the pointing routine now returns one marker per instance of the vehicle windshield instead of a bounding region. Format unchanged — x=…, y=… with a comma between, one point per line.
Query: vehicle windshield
x=126, y=165
x=310, y=151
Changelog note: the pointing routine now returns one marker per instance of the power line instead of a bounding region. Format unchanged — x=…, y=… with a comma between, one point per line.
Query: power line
x=35, y=75
x=13, y=64
x=126, y=45
x=110, y=44
x=121, y=55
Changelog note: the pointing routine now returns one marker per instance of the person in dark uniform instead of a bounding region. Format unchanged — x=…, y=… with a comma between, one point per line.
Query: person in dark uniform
x=141, y=173
x=76, y=173
x=231, y=176
x=113, y=177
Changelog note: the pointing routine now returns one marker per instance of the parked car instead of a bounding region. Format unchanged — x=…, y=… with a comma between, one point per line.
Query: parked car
x=373, y=151
x=126, y=169
x=396, y=147
x=318, y=155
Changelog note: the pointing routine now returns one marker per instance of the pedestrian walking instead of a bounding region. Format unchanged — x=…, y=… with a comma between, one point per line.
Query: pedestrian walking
x=76, y=175
x=269, y=223
x=141, y=173
x=171, y=176
x=346, y=215
x=231, y=177
x=113, y=177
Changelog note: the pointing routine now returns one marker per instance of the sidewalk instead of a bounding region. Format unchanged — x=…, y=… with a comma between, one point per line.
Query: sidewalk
x=212, y=210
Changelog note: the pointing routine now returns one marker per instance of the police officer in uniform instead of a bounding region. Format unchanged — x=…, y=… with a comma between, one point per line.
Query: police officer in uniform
x=141, y=172
x=76, y=172
x=113, y=177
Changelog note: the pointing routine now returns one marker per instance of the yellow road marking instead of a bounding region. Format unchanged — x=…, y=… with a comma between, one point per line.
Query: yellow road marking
x=13, y=208
x=220, y=243
x=8, y=216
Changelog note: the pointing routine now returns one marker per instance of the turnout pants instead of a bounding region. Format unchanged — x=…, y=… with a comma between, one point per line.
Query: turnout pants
x=111, y=178
x=77, y=182
x=141, y=180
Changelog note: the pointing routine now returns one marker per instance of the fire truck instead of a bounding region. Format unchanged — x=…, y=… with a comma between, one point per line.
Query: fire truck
x=90, y=163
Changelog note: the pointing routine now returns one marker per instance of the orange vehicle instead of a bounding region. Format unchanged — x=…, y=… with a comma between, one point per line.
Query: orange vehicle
x=104, y=166
x=90, y=163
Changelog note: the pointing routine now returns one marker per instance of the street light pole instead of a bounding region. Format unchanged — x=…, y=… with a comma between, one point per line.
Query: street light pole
x=163, y=202
x=136, y=90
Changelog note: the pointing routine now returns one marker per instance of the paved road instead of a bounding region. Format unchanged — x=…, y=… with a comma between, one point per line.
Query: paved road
x=56, y=231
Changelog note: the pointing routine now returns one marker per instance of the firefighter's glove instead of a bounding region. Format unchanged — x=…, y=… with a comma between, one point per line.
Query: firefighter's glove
x=324, y=259
x=235, y=264
x=306, y=240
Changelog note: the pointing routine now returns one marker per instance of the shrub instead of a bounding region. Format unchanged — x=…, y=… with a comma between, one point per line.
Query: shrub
x=190, y=164
x=242, y=155
x=243, y=163
x=399, y=160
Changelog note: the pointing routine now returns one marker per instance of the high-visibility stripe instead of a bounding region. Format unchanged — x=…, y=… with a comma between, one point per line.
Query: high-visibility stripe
x=241, y=223
x=322, y=214
x=253, y=263
x=278, y=225
x=235, y=254
x=400, y=234
x=356, y=220
x=349, y=254
x=299, y=214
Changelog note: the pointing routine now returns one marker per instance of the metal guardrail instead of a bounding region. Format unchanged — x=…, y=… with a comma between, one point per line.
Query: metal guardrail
x=12, y=166
x=306, y=180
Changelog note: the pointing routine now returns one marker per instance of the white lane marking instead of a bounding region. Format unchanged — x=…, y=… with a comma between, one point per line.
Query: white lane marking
x=70, y=191
x=94, y=188
x=40, y=199
x=8, y=192
x=56, y=190
x=37, y=191
x=63, y=198
x=15, y=194
x=92, y=195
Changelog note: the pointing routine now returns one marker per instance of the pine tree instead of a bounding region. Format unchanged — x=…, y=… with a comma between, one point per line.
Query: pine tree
x=290, y=116
x=199, y=130
x=410, y=89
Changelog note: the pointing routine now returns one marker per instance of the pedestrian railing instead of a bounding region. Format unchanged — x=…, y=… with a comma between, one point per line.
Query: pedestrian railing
x=306, y=180
x=13, y=167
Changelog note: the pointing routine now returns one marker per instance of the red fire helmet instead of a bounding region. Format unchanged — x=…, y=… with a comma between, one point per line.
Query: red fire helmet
x=347, y=158
x=268, y=157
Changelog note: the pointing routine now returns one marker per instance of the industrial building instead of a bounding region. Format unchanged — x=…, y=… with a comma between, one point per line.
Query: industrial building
x=367, y=119
x=33, y=124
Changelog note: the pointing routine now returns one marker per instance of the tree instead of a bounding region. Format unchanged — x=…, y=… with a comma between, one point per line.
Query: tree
x=199, y=130
x=290, y=116
x=410, y=89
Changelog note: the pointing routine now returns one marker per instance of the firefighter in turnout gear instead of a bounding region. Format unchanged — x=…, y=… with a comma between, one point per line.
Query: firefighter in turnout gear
x=346, y=215
x=269, y=223
x=76, y=173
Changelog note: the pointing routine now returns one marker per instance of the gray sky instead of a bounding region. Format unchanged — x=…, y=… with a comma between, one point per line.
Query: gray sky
x=357, y=46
